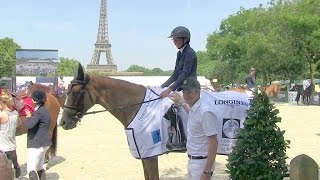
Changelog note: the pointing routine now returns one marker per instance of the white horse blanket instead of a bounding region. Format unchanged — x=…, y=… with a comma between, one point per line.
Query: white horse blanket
x=147, y=134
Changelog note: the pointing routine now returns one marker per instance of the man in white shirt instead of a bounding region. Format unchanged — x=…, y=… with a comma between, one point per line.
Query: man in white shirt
x=202, y=141
x=305, y=84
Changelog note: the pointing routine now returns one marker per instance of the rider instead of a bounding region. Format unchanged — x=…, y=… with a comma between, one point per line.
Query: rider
x=305, y=84
x=251, y=79
x=186, y=61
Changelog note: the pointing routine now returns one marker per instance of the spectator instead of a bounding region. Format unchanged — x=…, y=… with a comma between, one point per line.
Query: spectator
x=305, y=84
x=38, y=141
x=61, y=87
x=5, y=167
x=9, y=121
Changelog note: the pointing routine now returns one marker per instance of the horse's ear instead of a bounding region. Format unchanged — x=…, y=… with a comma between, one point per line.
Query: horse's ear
x=80, y=74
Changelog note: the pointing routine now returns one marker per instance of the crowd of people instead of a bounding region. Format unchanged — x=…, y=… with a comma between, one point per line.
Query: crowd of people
x=36, y=67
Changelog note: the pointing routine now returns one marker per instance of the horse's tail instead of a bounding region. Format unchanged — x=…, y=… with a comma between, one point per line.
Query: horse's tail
x=54, y=141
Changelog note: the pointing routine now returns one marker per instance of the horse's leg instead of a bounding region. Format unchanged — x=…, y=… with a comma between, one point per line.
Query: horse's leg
x=145, y=172
x=303, y=99
x=150, y=168
x=298, y=97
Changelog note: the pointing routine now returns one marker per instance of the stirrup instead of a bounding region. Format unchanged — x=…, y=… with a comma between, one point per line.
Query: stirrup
x=178, y=147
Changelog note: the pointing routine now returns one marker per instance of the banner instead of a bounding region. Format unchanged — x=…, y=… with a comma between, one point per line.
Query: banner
x=36, y=62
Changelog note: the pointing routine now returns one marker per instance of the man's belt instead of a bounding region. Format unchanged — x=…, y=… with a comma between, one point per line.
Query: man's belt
x=197, y=157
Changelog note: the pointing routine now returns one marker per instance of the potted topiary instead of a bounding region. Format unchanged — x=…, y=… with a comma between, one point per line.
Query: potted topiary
x=260, y=151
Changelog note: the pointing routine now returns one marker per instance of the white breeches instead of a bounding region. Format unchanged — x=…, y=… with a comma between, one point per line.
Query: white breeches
x=36, y=158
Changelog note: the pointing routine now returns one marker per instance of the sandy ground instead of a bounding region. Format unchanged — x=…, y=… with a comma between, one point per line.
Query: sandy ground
x=97, y=148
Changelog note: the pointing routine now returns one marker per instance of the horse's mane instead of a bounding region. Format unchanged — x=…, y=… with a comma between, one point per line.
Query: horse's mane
x=111, y=81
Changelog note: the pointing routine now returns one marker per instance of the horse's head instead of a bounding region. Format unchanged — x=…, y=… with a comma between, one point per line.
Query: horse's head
x=79, y=100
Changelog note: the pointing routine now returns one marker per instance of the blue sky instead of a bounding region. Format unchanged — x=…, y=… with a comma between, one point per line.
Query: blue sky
x=138, y=30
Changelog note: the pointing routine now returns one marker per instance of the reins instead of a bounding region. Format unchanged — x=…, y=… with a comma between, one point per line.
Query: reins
x=80, y=114
x=84, y=82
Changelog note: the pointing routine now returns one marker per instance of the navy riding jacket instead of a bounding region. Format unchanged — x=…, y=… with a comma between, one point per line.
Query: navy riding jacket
x=38, y=128
x=186, y=66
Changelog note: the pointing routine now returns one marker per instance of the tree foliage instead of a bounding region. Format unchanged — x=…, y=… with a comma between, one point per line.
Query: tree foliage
x=149, y=72
x=275, y=40
x=260, y=151
x=8, y=57
x=67, y=67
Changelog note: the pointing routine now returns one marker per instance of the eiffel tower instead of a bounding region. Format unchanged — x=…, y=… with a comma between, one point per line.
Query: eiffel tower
x=102, y=44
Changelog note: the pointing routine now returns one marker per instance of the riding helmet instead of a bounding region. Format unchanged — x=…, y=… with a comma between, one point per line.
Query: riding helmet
x=180, y=31
x=39, y=96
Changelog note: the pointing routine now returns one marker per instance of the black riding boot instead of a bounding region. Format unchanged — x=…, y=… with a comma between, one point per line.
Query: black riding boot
x=42, y=174
x=33, y=175
x=17, y=171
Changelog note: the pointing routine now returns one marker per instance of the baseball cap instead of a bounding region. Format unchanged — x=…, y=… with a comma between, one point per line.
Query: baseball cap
x=191, y=83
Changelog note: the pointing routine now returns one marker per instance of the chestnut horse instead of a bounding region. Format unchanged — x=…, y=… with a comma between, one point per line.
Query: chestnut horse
x=53, y=107
x=240, y=89
x=85, y=91
x=60, y=97
x=245, y=90
x=271, y=90
x=121, y=98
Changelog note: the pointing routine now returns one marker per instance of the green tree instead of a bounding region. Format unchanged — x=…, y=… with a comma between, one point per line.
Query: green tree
x=136, y=68
x=149, y=72
x=205, y=65
x=8, y=57
x=281, y=41
x=303, y=20
x=260, y=151
x=67, y=67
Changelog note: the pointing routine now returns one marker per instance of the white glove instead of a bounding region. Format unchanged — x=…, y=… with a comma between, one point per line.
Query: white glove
x=176, y=98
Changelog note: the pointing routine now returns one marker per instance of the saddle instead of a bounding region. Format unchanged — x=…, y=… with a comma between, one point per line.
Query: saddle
x=177, y=137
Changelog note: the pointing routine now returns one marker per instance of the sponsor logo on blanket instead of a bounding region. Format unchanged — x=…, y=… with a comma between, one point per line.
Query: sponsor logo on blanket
x=229, y=128
x=231, y=102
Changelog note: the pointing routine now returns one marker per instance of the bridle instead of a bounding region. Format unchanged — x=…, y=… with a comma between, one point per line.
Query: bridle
x=80, y=105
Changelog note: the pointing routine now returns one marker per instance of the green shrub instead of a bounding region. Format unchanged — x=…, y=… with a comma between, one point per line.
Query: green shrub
x=260, y=151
